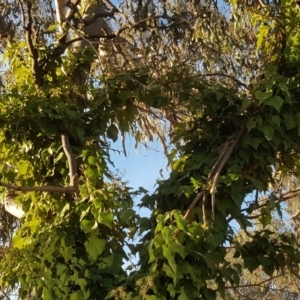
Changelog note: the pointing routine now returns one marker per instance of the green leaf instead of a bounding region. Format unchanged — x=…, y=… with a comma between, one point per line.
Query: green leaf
x=183, y=295
x=251, y=263
x=210, y=294
x=187, y=190
x=20, y=242
x=276, y=120
x=23, y=168
x=254, y=142
x=275, y=102
x=126, y=215
x=88, y=225
x=168, y=253
x=94, y=247
x=251, y=124
x=262, y=96
x=92, y=160
x=76, y=296
x=216, y=239
x=58, y=157
x=112, y=132
x=48, y=295
x=80, y=133
x=245, y=104
x=150, y=297
x=168, y=271
x=292, y=121
x=259, y=185
x=106, y=218
x=268, y=131
x=265, y=217
x=60, y=268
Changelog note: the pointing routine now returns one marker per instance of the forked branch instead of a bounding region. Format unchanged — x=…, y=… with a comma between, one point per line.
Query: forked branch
x=213, y=178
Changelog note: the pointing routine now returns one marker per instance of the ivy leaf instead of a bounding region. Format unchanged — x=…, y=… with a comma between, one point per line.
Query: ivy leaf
x=58, y=157
x=245, y=104
x=210, y=294
x=268, y=131
x=251, y=263
x=276, y=120
x=257, y=184
x=88, y=225
x=92, y=160
x=76, y=296
x=48, y=295
x=112, y=132
x=254, y=142
x=186, y=190
x=265, y=217
x=126, y=215
x=80, y=133
x=94, y=247
x=23, y=168
x=106, y=218
x=251, y=124
x=152, y=297
x=262, y=96
x=183, y=295
x=276, y=102
x=216, y=239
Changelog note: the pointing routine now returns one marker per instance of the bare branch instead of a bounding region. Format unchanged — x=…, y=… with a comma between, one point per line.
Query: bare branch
x=33, y=51
x=111, y=6
x=230, y=77
x=99, y=15
x=259, y=283
x=214, y=176
x=71, y=160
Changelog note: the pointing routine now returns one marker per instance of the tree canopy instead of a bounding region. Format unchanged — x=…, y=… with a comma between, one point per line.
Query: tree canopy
x=217, y=83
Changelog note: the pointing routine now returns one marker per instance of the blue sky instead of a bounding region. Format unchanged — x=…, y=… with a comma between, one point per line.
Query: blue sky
x=141, y=166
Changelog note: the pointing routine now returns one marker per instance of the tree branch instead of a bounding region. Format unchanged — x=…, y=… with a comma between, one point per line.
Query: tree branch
x=54, y=189
x=230, y=77
x=214, y=176
x=99, y=15
x=33, y=51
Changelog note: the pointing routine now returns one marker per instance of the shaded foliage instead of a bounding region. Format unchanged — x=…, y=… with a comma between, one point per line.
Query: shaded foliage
x=220, y=82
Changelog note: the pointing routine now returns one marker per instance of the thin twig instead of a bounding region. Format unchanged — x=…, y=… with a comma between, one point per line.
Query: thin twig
x=257, y=284
x=190, y=210
x=99, y=15
x=230, y=77
x=204, y=201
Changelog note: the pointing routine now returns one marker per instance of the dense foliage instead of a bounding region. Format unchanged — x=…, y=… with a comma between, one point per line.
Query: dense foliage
x=219, y=81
